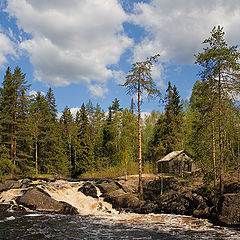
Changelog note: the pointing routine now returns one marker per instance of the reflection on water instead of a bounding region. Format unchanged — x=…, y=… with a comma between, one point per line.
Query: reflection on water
x=109, y=226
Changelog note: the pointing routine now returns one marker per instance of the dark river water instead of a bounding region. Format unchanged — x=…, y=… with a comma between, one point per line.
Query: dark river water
x=112, y=226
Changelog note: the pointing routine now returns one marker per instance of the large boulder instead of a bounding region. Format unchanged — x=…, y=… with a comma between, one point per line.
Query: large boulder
x=230, y=209
x=37, y=199
x=108, y=186
x=121, y=200
x=89, y=189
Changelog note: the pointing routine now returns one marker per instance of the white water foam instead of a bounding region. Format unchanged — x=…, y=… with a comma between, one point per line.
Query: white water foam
x=86, y=205
x=10, y=218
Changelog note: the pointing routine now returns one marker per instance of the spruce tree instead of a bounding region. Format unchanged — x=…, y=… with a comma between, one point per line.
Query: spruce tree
x=111, y=129
x=69, y=133
x=167, y=135
x=13, y=117
x=84, y=146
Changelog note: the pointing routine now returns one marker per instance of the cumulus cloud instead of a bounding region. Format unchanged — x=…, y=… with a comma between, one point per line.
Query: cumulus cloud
x=119, y=77
x=72, y=41
x=6, y=47
x=97, y=90
x=176, y=28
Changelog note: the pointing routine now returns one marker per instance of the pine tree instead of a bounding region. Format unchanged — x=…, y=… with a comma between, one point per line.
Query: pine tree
x=221, y=70
x=200, y=142
x=139, y=80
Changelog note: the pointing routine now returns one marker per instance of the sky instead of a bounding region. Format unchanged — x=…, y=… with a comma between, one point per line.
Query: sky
x=84, y=49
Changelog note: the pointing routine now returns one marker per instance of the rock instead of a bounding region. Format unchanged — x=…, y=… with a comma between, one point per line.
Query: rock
x=89, y=189
x=201, y=213
x=5, y=206
x=149, y=208
x=68, y=209
x=37, y=199
x=233, y=187
x=9, y=206
x=121, y=200
x=107, y=186
x=230, y=209
x=10, y=184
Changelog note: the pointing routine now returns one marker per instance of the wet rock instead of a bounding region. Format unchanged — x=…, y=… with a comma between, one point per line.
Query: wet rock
x=10, y=184
x=201, y=213
x=107, y=186
x=121, y=200
x=149, y=208
x=4, y=207
x=11, y=206
x=68, y=209
x=37, y=199
x=89, y=189
x=230, y=209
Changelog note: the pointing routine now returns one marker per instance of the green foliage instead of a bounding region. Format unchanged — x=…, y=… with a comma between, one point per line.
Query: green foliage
x=140, y=80
x=125, y=158
x=84, y=147
x=221, y=71
x=112, y=172
x=13, y=118
x=167, y=136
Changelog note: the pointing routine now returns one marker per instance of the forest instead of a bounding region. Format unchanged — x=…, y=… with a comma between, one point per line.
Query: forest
x=34, y=141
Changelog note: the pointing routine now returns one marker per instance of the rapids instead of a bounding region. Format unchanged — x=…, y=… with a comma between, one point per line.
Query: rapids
x=98, y=220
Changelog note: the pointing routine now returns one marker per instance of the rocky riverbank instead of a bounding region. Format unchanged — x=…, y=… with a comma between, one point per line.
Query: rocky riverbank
x=161, y=195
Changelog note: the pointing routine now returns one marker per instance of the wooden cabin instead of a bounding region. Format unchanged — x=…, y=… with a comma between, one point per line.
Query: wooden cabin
x=176, y=163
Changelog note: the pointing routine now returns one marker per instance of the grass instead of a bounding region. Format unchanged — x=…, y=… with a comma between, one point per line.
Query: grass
x=119, y=171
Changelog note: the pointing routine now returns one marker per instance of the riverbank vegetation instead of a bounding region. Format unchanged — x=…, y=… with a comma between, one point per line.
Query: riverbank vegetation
x=95, y=143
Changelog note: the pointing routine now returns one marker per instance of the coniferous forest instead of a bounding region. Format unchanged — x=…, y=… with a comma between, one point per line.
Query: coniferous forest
x=33, y=141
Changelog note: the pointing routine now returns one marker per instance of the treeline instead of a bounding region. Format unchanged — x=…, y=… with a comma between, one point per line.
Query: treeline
x=34, y=141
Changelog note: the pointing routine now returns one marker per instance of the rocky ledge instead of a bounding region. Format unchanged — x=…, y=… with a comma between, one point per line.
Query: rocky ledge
x=161, y=195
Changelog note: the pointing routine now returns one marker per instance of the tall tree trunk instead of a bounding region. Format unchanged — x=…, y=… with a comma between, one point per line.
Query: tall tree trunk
x=36, y=156
x=140, y=186
x=11, y=151
x=15, y=139
x=238, y=163
x=220, y=133
x=70, y=149
x=214, y=152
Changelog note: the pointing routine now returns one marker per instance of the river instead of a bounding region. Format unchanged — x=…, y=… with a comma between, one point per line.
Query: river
x=98, y=220
x=110, y=226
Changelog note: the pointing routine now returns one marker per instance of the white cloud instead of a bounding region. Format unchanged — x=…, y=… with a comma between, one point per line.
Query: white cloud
x=6, y=47
x=72, y=41
x=97, y=90
x=158, y=75
x=74, y=111
x=34, y=93
x=119, y=77
x=177, y=28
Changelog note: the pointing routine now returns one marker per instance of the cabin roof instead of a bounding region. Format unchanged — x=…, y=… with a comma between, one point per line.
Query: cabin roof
x=170, y=156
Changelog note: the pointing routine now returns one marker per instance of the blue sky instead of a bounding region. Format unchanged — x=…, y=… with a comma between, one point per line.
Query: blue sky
x=83, y=49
